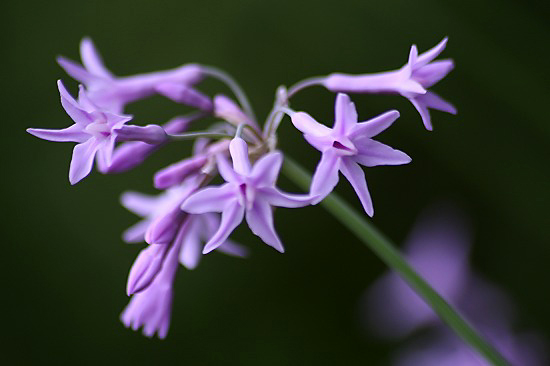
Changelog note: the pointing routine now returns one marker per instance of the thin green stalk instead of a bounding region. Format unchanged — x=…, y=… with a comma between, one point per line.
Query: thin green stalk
x=388, y=253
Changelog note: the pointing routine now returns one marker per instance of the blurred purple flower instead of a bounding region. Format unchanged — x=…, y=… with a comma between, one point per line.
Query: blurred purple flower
x=347, y=146
x=94, y=130
x=248, y=189
x=113, y=93
x=411, y=81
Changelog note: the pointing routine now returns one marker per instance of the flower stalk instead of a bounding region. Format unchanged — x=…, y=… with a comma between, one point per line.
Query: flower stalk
x=387, y=252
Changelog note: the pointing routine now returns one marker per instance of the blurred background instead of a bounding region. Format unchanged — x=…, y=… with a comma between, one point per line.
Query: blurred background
x=65, y=265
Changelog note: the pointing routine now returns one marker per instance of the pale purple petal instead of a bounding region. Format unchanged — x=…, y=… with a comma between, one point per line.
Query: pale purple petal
x=305, y=123
x=374, y=126
x=433, y=72
x=325, y=177
x=229, y=247
x=260, y=221
x=164, y=228
x=73, y=109
x=276, y=197
x=82, y=160
x=184, y=94
x=73, y=133
x=431, y=54
x=225, y=170
x=139, y=203
x=430, y=100
x=136, y=233
x=178, y=172
x=210, y=199
x=232, y=216
x=355, y=175
x=374, y=153
x=345, y=115
x=239, y=154
x=266, y=170
x=91, y=59
x=76, y=71
x=150, y=134
x=190, y=252
x=146, y=267
x=227, y=109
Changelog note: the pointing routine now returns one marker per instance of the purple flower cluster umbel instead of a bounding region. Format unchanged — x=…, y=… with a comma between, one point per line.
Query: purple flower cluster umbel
x=190, y=217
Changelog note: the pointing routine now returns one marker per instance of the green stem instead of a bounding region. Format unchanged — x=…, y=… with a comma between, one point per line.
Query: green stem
x=387, y=252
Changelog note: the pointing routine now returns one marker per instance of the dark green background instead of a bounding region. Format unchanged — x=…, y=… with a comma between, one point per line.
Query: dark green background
x=65, y=266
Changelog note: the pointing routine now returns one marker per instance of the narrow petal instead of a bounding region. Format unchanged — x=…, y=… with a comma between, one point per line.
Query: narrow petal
x=139, y=203
x=136, y=233
x=374, y=126
x=266, y=169
x=178, y=172
x=345, y=114
x=82, y=160
x=260, y=221
x=146, y=267
x=227, y=109
x=305, y=123
x=411, y=86
x=232, y=216
x=73, y=133
x=373, y=153
x=210, y=199
x=73, y=109
x=431, y=54
x=76, y=71
x=229, y=247
x=190, y=253
x=434, y=101
x=355, y=175
x=422, y=109
x=181, y=93
x=432, y=73
x=239, y=153
x=165, y=227
x=325, y=177
x=275, y=197
x=225, y=170
x=92, y=59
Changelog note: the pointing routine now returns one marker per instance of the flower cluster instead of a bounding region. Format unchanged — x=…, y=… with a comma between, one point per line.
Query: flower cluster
x=190, y=217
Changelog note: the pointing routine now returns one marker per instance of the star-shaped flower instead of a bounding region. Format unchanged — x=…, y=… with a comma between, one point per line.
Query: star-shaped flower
x=249, y=190
x=113, y=93
x=94, y=130
x=346, y=146
x=411, y=81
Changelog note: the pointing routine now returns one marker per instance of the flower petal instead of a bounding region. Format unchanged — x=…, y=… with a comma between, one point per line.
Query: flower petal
x=92, y=60
x=260, y=221
x=305, y=123
x=190, y=252
x=225, y=170
x=136, y=233
x=146, y=267
x=374, y=126
x=433, y=72
x=232, y=216
x=325, y=177
x=431, y=54
x=76, y=71
x=210, y=199
x=374, y=153
x=139, y=203
x=266, y=170
x=355, y=175
x=82, y=160
x=229, y=247
x=73, y=109
x=239, y=154
x=275, y=197
x=176, y=173
x=73, y=133
x=345, y=114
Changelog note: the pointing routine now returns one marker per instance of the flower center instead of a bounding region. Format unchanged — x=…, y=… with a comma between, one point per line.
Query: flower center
x=246, y=195
x=345, y=148
x=99, y=127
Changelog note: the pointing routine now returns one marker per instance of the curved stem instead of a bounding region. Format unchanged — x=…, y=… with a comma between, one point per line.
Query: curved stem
x=195, y=135
x=306, y=83
x=386, y=251
x=233, y=85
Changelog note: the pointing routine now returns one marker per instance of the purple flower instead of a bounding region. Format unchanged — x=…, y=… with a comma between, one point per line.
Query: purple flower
x=411, y=81
x=94, y=130
x=113, y=93
x=347, y=146
x=249, y=190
